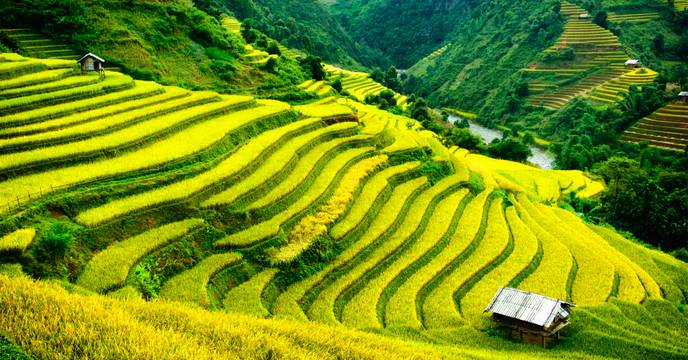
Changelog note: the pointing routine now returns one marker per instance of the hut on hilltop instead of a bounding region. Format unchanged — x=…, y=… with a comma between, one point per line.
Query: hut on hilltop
x=531, y=318
x=633, y=64
x=91, y=62
x=683, y=97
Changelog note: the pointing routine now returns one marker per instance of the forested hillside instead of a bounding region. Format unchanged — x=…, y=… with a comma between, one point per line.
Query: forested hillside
x=301, y=24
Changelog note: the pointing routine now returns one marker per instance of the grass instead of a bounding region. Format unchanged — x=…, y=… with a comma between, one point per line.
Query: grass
x=439, y=308
x=186, y=188
x=322, y=308
x=247, y=297
x=402, y=307
x=525, y=248
x=362, y=310
x=367, y=197
x=135, y=134
x=391, y=213
x=309, y=228
x=275, y=164
x=17, y=241
x=109, y=268
x=191, y=286
x=271, y=227
x=194, y=139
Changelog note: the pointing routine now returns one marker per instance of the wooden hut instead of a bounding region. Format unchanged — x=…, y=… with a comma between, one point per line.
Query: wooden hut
x=584, y=16
x=91, y=62
x=633, y=64
x=683, y=97
x=531, y=318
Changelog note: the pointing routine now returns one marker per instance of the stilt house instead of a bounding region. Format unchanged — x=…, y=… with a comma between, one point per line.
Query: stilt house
x=531, y=318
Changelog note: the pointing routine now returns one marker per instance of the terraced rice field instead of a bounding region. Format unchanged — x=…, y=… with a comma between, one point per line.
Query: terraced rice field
x=666, y=128
x=599, y=58
x=632, y=17
x=613, y=90
x=232, y=24
x=681, y=5
x=320, y=88
x=39, y=45
x=360, y=85
x=320, y=213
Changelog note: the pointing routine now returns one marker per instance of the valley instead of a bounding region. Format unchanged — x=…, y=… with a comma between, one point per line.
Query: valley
x=256, y=179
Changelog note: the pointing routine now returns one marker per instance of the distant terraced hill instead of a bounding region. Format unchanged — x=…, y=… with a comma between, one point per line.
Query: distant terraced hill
x=332, y=212
x=666, y=128
x=360, y=85
x=587, y=60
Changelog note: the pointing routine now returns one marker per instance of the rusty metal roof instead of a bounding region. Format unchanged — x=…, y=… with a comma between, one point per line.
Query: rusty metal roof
x=529, y=307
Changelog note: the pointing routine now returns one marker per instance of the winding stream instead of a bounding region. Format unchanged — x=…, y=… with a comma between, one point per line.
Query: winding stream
x=540, y=157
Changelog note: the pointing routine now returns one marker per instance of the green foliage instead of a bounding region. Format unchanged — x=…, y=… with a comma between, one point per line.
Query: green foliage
x=464, y=138
x=435, y=171
x=313, y=65
x=9, y=351
x=56, y=241
x=509, y=149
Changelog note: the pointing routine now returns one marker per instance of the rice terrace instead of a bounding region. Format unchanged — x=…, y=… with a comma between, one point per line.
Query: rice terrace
x=263, y=179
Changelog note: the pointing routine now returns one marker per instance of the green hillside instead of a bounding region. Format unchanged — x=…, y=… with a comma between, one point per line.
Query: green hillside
x=312, y=216
x=253, y=179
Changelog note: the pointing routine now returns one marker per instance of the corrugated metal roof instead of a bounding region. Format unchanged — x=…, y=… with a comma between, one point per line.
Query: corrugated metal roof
x=632, y=62
x=525, y=306
x=683, y=93
x=91, y=55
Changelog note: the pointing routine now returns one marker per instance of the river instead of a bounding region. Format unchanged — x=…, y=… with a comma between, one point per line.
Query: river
x=540, y=157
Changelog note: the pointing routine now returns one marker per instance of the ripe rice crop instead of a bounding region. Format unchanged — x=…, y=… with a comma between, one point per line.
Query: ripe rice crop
x=324, y=111
x=309, y=228
x=112, y=122
x=132, y=134
x=276, y=163
x=55, y=111
x=654, y=280
x=305, y=166
x=192, y=140
x=630, y=288
x=185, y=188
x=551, y=276
x=106, y=111
x=110, y=267
x=34, y=313
x=525, y=247
x=361, y=310
x=246, y=298
x=594, y=275
x=401, y=310
x=12, y=69
x=287, y=303
x=35, y=78
x=191, y=286
x=365, y=199
x=17, y=241
x=28, y=102
x=61, y=84
x=271, y=227
x=322, y=308
x=439, y=308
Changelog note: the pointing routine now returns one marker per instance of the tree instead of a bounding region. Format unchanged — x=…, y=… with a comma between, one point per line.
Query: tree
x=273, y=48
x=462, y=137
x=271, y=65
x=313, y=65
x=509, y=149
x=601, y=19
x=658, y=43
x=337, y=85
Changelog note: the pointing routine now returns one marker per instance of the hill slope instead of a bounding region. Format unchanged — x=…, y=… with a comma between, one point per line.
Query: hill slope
x=334, y=212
